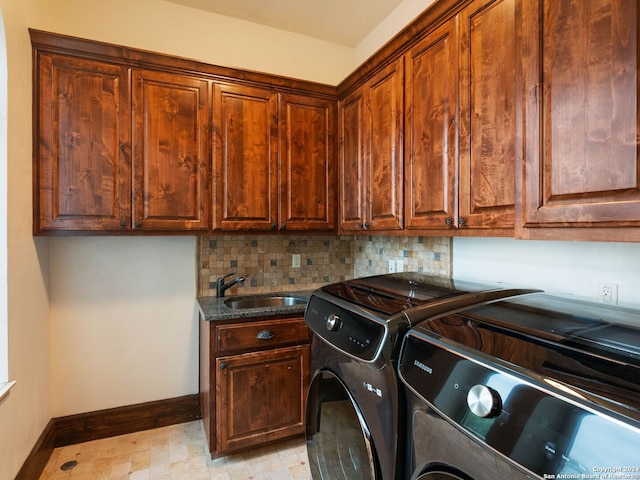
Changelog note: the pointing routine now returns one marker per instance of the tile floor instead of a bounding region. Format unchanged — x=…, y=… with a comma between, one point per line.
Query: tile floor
x=174, y=452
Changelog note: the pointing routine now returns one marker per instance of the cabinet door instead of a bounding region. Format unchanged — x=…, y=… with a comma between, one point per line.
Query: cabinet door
x=171, y=158
x=383, y=150
x=81, y=171
x=431, y=130
x=351, y=175
x=487, y=115
x=261, y=397
x=245, y=144
x=580, y=77
x=307, y=163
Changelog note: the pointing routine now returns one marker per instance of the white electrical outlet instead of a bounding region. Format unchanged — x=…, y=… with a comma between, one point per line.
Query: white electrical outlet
x=392, y=266
x=608, y=293
x=295, y=260
x=399, y=266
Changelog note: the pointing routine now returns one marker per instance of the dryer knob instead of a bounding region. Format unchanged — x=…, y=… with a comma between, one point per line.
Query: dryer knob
x=484, y=401
x=333, y=322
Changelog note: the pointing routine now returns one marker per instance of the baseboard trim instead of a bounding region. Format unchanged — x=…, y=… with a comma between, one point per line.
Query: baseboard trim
x=84, y=427
x=39, y=455
x=118, y=421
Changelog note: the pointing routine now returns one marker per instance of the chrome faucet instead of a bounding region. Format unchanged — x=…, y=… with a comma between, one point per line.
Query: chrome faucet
x=222, y=287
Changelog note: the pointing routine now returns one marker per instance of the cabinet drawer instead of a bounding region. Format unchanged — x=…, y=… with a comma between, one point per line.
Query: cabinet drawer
x=261, y=334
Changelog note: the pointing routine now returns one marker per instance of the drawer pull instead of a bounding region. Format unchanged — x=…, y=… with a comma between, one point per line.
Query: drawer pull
x=265, y=335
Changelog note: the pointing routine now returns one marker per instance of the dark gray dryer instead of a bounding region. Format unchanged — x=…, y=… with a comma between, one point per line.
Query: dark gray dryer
x=531, y=387
x=353, y=421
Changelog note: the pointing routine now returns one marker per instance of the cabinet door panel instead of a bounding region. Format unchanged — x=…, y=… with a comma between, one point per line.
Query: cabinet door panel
x=260, y=396
x=352, y=167
x=307, y=163
x=171, y=154
x=487, y=114
x=245, y=122
x=430, y=129
x=82, y=172
x=581, y=165
x=384, y=147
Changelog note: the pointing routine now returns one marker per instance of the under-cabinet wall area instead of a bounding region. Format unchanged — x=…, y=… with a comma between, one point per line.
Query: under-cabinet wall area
x=564, y=268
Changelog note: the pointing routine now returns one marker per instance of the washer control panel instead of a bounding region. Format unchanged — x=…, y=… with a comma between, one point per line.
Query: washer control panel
x=351, y=332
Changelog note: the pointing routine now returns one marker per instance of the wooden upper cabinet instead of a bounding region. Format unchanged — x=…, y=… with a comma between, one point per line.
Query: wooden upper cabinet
x=579, y=68
x=486, y=180
x=371, y=167
x=351, y=167
x=431, y=129
x=81, y=173
x=383, y=148
x=170, y=151
x=307, y=163
x=245, y=155
x=460, y=122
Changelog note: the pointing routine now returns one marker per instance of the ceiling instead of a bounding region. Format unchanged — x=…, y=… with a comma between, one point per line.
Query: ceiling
x=345, y=22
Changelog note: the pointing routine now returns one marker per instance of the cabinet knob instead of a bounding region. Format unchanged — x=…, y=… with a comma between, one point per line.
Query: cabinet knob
x=265, y=335
x=223, y=365
x=274, y=226
x=462, y=221
x=284, y=226
x=123, y=224
x=138, y=224
x=449, y=221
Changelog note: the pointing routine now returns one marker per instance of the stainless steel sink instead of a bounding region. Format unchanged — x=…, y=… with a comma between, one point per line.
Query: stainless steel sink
x=264, y=302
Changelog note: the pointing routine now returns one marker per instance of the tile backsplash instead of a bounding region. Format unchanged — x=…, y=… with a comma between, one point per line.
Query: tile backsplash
x=266, y=260
x=417, y=254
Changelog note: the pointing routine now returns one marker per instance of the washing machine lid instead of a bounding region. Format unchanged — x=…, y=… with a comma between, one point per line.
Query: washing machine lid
x=389, y=294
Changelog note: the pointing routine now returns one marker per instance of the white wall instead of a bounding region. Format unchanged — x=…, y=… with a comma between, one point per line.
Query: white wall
x=124, y=321
x=575, y=268
x=401, y=16
x=166, y=27
x=24, y=413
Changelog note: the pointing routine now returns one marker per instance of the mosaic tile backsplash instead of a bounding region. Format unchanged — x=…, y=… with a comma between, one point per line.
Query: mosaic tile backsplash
x=266, y=260
x=415, y=254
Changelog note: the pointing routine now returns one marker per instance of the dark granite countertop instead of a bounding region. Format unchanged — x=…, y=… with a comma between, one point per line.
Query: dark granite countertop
x=214, y=308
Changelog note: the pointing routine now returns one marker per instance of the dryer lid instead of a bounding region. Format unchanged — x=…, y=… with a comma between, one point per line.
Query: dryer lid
x=581, y=344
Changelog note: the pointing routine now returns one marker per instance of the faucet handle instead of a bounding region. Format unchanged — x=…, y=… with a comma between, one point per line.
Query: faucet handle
x=225, y=276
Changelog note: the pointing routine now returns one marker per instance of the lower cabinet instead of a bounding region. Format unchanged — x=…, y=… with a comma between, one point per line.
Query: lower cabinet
x=254, y=374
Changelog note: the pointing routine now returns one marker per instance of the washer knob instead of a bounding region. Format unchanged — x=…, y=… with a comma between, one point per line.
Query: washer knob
x=333, y=322
x=484, y=401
